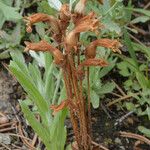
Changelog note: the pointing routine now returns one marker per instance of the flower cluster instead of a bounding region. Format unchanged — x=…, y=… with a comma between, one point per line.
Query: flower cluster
x=67, y=56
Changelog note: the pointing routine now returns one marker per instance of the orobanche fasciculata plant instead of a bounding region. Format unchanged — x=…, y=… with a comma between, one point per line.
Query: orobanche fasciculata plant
x=67, y=51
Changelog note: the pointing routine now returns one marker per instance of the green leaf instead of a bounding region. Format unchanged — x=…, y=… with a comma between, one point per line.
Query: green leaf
x=130, y=106
x=148, y=112
x=36, y=125
x=139, y=10
x=128, y=43
x=112, y=26
x=58, y=130
x=104, y=71
x=142, y=80
x=144, y=130
x=106, y=88
x=9, y=13
x=94, y=99
x=27, y=83
x=142, y=19
x=55, y=4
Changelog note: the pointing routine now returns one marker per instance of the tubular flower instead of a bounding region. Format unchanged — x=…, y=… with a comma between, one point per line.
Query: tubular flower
x=40, y=46
x=65, y=17
x=80, y=7
x=44, y=46
x=87, y=63
x=94, y=62
x=40, y=17
x=114, y=45
x=64, y=12
x=87, y=23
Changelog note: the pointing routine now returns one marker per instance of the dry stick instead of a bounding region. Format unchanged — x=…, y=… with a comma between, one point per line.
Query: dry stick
x=1, y=114
x=147, y=6
x=34, y=139
x=119, y=88
x=24, y=140
x=7, y=124
x=120, y=99
x=139, y=30
x=135, y=136
x=134, y=38
x=5, y=146
x=20, y=136
x=7, y=129
x=116, y=94
x=100, y=146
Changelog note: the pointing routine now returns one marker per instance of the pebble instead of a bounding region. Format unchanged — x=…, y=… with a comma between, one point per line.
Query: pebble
x=4, y=120
x=118, y=141
x=5, y=139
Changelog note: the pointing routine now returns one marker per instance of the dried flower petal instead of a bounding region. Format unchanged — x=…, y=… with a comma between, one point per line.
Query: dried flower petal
x=87, y=63
x=40, y=46
x=87, y=23
x=94, y=62
x=64, y=12
x=40, y=17
x=114, y=45
x=44, y=46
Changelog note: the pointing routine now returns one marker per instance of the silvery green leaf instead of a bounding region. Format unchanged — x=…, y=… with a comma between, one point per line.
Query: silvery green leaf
x=55, y=4
x=39, y=57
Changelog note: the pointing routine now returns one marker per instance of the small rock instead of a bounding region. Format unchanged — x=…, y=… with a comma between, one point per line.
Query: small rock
x=4, y=119
x=122, y=148
x=118, y=141
x=5, y=138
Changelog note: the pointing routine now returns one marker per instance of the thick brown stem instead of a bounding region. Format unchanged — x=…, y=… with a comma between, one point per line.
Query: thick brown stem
x=72, y=116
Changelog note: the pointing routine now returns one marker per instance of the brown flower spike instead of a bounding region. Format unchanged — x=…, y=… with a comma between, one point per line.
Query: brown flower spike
x=67, y=56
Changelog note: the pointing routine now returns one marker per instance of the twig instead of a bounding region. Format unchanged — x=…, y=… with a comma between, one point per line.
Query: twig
x=118, y=121
x=134, y=38
x=100, y=146
x=7, y=124
x=24, y=140
x=121, y=99
x=139, y=30
x=116, y=94
x=17, y=135
x=147, y=6
x=135, y=136
x=119, y=88
x=34, y=139
x=5, y=146
x=1, y=114
x=7, y=129
x=105, y=110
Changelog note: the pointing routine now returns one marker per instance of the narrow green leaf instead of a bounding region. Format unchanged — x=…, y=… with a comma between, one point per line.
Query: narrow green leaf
x=94, y=99
x=128, y=43
x=38, y=128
